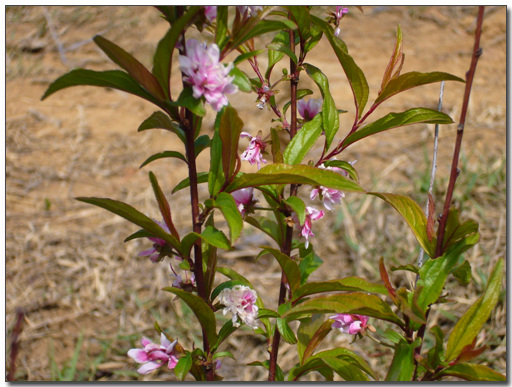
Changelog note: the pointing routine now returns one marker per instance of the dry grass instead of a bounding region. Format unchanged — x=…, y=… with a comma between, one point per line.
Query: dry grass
x=66, y=265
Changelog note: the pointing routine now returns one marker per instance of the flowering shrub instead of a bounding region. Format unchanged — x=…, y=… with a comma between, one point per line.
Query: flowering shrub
x=307, y=311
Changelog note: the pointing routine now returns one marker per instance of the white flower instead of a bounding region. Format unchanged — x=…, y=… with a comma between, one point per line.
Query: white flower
x=240, y=301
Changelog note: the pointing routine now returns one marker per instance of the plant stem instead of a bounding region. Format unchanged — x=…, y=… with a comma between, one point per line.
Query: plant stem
x=477, y=51
x=287, y=247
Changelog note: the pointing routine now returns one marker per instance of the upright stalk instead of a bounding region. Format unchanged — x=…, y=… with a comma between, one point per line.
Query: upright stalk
x=477, y=51
x=287, y=247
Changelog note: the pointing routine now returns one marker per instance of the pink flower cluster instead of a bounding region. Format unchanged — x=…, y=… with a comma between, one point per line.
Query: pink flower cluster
x=240, y=300
x=208, y=77
x=340, y=12
x=253, y=153
x=349, y=323
x=305, y=229
x=153, y=356
x=330, y=196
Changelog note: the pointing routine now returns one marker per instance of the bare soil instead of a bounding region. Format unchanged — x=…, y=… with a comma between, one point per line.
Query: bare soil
x=67, y=267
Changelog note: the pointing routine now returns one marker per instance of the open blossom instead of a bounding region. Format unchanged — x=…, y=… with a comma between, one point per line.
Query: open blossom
x=155, y=253
x=253, y=153
x=305, y=229
x=349, y=323
x=210, y=11
x=244, y=199
x=208, y=77
x=240, y=300
x=153, y=356
x=330, y=196
x=310, y=108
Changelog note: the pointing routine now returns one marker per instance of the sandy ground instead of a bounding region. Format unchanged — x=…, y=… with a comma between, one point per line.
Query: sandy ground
x=66, y=265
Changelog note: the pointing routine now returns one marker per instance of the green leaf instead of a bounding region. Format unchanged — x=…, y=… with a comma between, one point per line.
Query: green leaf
x=162, y=60
x=215, y=238
x=226, y=203
x=263, y=27
x=289, y=267
x=345, y=369
x=346, y=284
x=139, y=234
x=300, y=15
x=457, y=230
x=281, y=38
x=294, y=174
x=354, y=74
x=136, y=69
x=201, y=310
x=241, y=80
x=330, y=116
x=308, y=265
x=303, y=141
x=262, y=313
x=202, y=142
x=229, y=130
x=463, y=273
x=129, y=213
x=183, y=366
x=473, y=320
x=395, y=120
x=316, y=36
x=347, y=355
x=402, y=365
x=224, y=285
x=163, y=205
x=347, y=167
x=298, y=206
x=222, y=354
x=268, y=226
x=286, y=331
x=163, y=155
x=277, y=156
x=114, y=79
x=221, y=30
x=246, y=55
x=160, y=120
x=265, y=364
x=310, y=334
x=395, y=62
x=353, y=303
x=413, y=215
x=284, y=49
x=187, y=100
x=216, y=176
x=202, y=177
x=311, y=365
x=473, y=372
x=413, y=79
x=436, y=354
x=226, y=330
x=434, y=272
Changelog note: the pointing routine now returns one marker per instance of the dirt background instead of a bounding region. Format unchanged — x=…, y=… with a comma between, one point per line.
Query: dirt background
x=66, y=265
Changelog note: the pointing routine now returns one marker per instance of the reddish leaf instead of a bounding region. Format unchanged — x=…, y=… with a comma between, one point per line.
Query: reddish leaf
x=387, y=282
x=430, y=218
x=163, y=205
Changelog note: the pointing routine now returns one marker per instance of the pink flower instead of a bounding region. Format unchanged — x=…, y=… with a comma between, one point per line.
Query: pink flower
x=184, y=284
x=153, y=356
x=349, y=323
x=210, y=11
x=338, y=15
x=208, y=77
x=305, y=229
x=330, y=196
x=160, y=247
x=309, y=109
x=253, y=152
x=240, y=300
x=244, y=200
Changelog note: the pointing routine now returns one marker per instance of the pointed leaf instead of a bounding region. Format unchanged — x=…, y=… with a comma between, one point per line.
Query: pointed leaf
x=294, y=174
x=345, y=369
x=200, y=309
x=457, y=230
x=160, y=120
x=240, y=58
x=413, y=215
x=215, y=238
x=330, y=116
x=354, y=74
x=349, y=284
x=136, y=69
x=202, y=177
x=163, y=205
x=347, y=355
x=316, y=338
x=266, y=225
x=183, y=366
x=395, y=120
x=395, y=62
x=472, y=321
x=129, y=213
x=303, y=141
x=347, y=167
x=308, y=265
x=413, y=79
x=289, y=267
x=402, y=365
x=298, y=206
x=263, y=27
x=307, y=329
x=241, y=80
x=216, y=176
x=300, y=15
x=114, y=79
x=229, y=130
x=284, y=49
x=163, y=155
x=187, y=100
x=473, y=372
x=385, y=278
x=353, y=303
x=282, y=38
x=226, y=203
x=286, y=331
x=277, y=156
x=221, y=30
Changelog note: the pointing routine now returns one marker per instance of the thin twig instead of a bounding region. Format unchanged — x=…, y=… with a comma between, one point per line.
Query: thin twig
x=55, y=36
x=15, y=344
x=477, y=51
x=434, y=168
